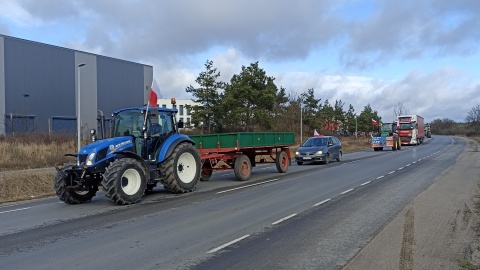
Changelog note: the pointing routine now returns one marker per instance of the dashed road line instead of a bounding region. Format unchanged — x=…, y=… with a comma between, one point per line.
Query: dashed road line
x=228, y=244
x=401, y=168
x=283, y=219
x=15, y=210
x=346, y=191
x=380, y=177
x=322, y=202
x=256, y=184
x=366, y=183
x=391, y=172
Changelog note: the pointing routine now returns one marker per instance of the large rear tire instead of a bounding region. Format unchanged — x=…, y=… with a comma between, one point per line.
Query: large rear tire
x=242, y=168
x=181, y=169
x=69, y=195
x=124, y=181
x=282, y=161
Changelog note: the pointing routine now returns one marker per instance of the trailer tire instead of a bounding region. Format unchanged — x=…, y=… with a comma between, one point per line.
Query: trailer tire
x=242, y=168
x=282, y=161
x=71, y=196
x=124, y=181
x=206, y=173
x=177, y=169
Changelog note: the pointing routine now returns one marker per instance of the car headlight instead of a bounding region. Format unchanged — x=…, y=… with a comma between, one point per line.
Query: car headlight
x=297, y=153
x=90, y=159
x=319, y=152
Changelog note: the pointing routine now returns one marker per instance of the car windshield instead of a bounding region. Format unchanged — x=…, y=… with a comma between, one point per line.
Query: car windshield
x=315, y=142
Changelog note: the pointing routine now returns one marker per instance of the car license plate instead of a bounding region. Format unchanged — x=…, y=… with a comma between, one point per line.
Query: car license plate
x=305, y=158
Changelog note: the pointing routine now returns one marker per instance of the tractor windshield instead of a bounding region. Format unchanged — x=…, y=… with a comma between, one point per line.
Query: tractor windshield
x=386, y=128
x=128, y=123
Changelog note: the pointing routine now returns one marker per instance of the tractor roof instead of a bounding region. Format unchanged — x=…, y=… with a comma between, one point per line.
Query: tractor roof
x=145, y=108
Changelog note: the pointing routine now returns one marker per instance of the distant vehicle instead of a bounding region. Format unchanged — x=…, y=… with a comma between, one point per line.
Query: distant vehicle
x=411, y=129
x=319, y=149
x=428, y=130
x=387, y=136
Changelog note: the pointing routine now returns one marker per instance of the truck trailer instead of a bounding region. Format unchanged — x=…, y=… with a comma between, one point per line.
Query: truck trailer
x=411, y=129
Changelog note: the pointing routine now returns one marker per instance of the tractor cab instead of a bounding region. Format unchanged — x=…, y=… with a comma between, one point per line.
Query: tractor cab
x=149, y=128
x=387, y=129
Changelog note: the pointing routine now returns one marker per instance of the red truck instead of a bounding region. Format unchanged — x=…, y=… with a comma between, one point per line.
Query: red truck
x=411, y=129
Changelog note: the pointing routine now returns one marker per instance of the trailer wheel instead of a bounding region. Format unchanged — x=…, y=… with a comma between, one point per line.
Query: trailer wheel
x=124, y=181
x=282, y=161
x=181, y=169
x=206, y=173
x=71, y=196
x=242, y=168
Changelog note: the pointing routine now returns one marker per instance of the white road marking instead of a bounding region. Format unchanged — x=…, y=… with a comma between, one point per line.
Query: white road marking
x=228, y=244
x=366, y=183
x=322, y=202
x=401, y=168
x=391, y=172
x=14, y=210
x=256, y=184
x=346, y=191
x=380, y=177
x=408, y=164
x=283, y=219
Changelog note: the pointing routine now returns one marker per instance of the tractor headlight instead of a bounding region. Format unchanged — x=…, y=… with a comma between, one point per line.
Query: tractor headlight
x=90, y=159
x=319, y=152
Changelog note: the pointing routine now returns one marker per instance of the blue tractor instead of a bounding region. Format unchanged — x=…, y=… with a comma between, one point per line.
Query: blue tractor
x=144, y=148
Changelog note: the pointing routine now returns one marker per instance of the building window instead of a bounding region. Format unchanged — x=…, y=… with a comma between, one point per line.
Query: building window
x=188, y=122
x=181, y=119
x=188, y=111
x=180, y=110
x=164, y=105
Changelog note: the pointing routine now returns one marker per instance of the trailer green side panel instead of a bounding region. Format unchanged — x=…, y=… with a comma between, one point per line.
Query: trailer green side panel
x=245, y=139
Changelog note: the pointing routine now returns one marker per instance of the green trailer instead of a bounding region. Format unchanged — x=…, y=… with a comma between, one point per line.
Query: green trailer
x=238, y=151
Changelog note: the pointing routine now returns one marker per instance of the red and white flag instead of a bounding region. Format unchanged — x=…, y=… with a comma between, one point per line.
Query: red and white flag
x=374, y=122
x=155, y=94
x=315, y=133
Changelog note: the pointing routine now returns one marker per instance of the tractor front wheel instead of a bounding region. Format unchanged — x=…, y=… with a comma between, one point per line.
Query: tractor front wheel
x=68, y=194
x=125, y=181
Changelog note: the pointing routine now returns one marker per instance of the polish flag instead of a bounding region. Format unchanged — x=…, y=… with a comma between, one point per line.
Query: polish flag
x=155, y=94
x=374, y=122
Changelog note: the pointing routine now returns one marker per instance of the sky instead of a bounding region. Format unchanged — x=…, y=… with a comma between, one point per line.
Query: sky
x=422, y=54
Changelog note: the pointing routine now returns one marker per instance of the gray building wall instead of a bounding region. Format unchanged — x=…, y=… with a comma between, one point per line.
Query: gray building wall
x=41, y=81
x=2, y=87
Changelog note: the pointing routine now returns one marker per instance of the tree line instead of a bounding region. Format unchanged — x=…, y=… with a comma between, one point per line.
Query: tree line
x=251, y=101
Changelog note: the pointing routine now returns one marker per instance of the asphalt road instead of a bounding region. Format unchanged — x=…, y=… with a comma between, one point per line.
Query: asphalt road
x=314, y=216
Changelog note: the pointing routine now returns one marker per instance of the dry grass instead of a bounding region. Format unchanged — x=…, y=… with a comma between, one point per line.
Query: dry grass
x=30, y=151
x=25, y=186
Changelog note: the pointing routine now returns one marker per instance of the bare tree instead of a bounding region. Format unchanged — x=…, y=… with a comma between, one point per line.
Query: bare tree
x=473, y=118
x=400, y=109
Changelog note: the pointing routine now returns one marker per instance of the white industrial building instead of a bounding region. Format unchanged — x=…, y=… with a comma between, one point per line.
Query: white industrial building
x=183, y=114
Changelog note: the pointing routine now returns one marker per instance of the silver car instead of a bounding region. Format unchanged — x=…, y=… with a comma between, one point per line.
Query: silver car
x=319, y=149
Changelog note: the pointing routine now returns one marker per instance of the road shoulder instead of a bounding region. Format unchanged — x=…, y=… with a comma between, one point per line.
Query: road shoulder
x=438, y=229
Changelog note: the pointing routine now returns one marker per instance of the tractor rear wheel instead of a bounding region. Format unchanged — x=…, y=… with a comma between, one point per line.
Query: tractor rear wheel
x=181, y=169
x=69, y=195
x=125, y=181
x=282, y=161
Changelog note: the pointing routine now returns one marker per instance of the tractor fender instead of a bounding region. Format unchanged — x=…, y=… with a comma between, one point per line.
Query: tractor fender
x=169, y=145
x=134, y=156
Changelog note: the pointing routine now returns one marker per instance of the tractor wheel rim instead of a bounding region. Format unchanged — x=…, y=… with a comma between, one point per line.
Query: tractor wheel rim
x=131, y=181
x=186, y=168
